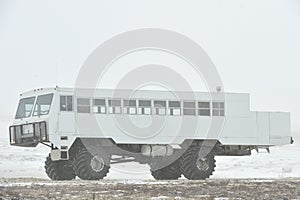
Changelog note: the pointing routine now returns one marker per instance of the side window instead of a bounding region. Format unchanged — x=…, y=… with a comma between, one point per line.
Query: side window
x=83, y=105
x=174, y=108
x=145, y=107
x=129, y=107
x=204, y=108
x=189, y=108
x=218, y=109
x=160, y=107
x=66, y=103
x=99, y=106
x=114, y=106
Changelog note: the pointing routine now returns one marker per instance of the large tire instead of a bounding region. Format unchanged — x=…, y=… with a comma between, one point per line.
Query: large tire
x=170, y=172
x=84, y=162
x=194, y=167
x=59, y=170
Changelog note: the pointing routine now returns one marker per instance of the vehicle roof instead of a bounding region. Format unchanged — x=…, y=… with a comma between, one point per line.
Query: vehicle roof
x=119, y=93
x=38, y=91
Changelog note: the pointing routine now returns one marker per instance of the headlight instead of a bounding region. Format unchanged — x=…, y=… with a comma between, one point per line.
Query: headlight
x=40, y=131
x=43, y=129
x=15, y=134
x=27, y=129
x=18, y=133
x=18, y=130
x=12, y=135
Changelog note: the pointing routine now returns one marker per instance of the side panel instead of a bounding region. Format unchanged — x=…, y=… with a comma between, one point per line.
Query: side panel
x=263, y=128
x=66, y=122
x=61, y=123
x=237, y=105
x=240, y=131
x=280, y=128
x=241, y=126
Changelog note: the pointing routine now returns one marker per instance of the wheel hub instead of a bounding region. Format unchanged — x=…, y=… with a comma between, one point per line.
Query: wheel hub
x=202, y=164
x=97, y=163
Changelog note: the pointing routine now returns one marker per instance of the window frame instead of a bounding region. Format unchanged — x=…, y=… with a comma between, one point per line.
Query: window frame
x=114, y=107
x=126, y=108
x=141, y=109
x=169, y=108
x=66, y=99
x=79, y=105
x=99, y=106
x=33, y=105
x=219, y=109
x=187, y=108
x=209, y=108
x=157, y=108
x=36, y=101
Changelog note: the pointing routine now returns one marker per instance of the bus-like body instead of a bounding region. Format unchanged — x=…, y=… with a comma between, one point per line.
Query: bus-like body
x=88, y=129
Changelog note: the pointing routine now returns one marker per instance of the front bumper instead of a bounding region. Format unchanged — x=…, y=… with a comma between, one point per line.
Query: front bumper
x=28, y=135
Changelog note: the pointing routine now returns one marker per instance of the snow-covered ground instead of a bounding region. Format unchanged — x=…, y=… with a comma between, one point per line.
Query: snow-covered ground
x=282, y=162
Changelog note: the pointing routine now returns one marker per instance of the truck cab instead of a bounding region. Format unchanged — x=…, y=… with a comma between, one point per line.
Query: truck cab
x=31, y=122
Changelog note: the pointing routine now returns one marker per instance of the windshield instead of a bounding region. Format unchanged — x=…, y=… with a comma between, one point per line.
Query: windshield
x=42, y=105
x=25, y=107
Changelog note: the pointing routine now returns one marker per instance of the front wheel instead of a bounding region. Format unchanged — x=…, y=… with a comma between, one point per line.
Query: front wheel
x=59, y=170
x=91, y=166
x=195, y=167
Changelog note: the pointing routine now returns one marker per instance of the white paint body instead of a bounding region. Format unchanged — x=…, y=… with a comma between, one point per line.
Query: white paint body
x=241, y=126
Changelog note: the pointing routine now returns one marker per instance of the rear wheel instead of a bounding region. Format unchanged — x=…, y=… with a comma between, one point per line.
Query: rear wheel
x=195, y=167
x=170, y=172
x=91, y=166
x=59, y=170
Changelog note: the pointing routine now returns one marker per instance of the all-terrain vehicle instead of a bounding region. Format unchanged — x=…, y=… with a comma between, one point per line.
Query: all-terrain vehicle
x=175, y=134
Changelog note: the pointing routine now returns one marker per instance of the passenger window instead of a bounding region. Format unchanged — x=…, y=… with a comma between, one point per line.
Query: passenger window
x=114, y=106
x=174, y=108
x=99, y=106
x=129, y=107
x=204, y=108
x=218, y=109
x=189, y=108
x=144, y=107
x=160, y=107
x=83, y=105
x=66, y=103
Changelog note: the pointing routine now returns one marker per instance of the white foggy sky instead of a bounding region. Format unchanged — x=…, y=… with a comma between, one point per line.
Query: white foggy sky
x=254, y=44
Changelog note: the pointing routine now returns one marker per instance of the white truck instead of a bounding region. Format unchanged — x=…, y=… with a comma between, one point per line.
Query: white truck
x=89, y=131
